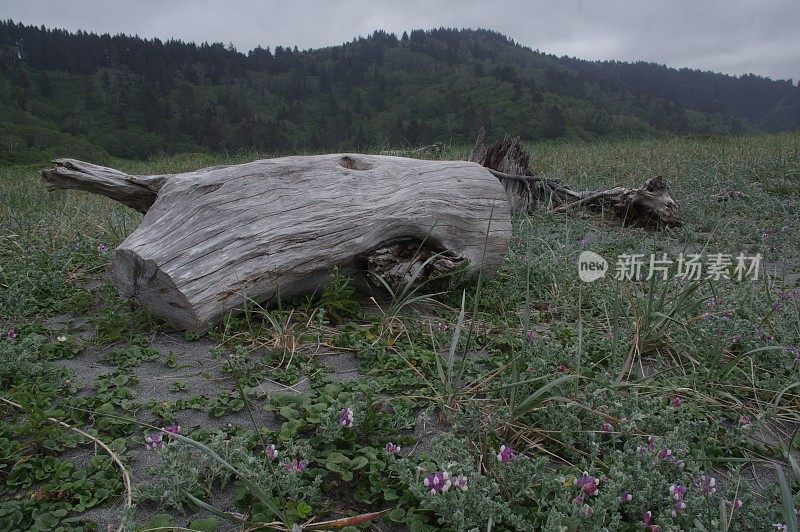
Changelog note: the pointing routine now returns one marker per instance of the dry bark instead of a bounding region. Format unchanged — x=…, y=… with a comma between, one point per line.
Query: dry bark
x=137, y=192
x=508, y=161
x=214, y=238
x=651, y=205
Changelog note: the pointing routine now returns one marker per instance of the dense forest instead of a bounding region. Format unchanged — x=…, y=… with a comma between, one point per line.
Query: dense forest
x=91, y=96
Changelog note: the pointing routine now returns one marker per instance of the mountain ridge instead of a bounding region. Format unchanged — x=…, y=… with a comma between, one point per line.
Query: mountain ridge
x=93, y=94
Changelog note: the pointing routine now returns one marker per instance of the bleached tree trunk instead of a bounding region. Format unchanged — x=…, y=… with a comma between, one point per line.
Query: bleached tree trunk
x=214, y=238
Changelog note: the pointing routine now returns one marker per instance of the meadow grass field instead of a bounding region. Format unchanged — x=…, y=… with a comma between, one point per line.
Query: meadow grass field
x=530, y=400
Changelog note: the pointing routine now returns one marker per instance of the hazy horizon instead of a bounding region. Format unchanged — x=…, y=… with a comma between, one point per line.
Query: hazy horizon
x=732, y=37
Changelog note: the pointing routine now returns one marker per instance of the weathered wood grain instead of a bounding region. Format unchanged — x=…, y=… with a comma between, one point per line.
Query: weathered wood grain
x=137, y=192
x=212, y=239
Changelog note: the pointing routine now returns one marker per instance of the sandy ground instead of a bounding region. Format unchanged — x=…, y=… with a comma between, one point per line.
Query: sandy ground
x=200, y=371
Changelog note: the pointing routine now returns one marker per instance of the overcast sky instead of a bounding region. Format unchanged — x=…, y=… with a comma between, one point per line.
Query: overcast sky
x=732, y=36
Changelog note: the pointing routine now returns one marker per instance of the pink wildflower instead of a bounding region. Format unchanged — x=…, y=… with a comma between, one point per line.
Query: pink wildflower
x=506, y=454
x=295, y=466
x=588, y=484
x=708, y=484
x=154, y=441
x=271, y=452
x=346, y=418
x=460, y=482
x=439, y=482
x=392, y=448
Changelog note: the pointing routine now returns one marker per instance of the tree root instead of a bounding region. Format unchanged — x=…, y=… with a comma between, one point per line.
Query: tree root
x=650, y=206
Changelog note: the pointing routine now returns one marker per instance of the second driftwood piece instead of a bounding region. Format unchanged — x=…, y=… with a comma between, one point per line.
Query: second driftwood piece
x=651, y=205
x=215, y=238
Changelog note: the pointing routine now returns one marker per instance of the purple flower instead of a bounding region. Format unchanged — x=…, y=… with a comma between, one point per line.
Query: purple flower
x=460, y=482
x=12, y=333
x=676, y=402
x=587, y=511
x=102, y=248
x=677, y=491
x=295, y=466
x=439, y=482
x=506, y=454
x=530, y=336
x=172, y=429
x=736, y=339
x=651, y=444
x=708, y=484
x=664, y=453
x=392, y=448
x=346, y=418
x=647, y=518
x=442, y=327
x=607, y=427
x=737, y=503
x=577, y=501
x=154, y=441
x=626, y=496
x=587, y=483
x=680, y=506
x=562, y=368
x=745, y=422
x=271, y=452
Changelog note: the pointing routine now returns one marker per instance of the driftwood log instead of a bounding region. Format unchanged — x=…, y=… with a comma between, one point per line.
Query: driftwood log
x=212, y=239
x=651, y=205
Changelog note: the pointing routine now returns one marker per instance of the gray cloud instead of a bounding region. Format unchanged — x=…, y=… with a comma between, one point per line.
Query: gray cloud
x=732, y=36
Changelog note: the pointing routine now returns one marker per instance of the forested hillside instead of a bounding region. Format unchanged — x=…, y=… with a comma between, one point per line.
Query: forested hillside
x=90, y=96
